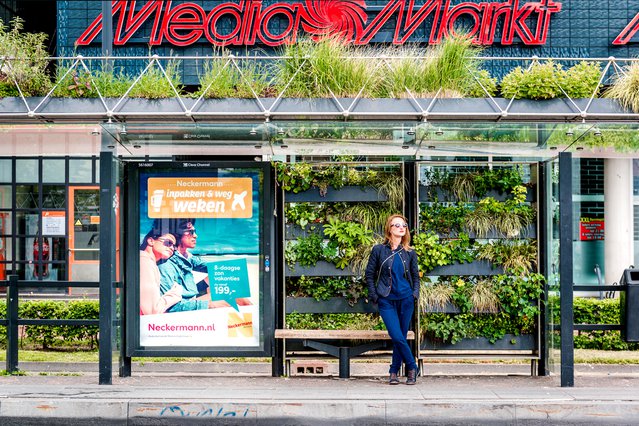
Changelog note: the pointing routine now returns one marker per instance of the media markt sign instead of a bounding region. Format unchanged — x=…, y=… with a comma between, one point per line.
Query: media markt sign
x=179, y=197
x=250, y=22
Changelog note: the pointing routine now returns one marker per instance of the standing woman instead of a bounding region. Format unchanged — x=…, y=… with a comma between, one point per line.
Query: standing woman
x=392, y=276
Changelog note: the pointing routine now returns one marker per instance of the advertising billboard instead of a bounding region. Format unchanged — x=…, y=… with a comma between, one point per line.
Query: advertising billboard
x=200, y=279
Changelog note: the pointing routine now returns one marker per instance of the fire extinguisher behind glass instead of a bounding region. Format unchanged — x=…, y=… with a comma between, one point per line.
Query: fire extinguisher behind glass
x=41, y=269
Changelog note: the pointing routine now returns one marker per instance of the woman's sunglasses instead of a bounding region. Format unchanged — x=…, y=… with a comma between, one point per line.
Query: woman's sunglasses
x=167, y=243
x=400, y=225
x=189, y=232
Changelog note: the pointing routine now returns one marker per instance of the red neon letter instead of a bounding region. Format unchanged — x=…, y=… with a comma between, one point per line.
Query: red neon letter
x=188, y=17
x=288, y=10
x=232, y=10
x=404, y=30
x=626, y=35
x=126, y=28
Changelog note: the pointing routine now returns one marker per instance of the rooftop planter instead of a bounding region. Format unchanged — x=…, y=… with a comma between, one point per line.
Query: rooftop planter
x=473, y=109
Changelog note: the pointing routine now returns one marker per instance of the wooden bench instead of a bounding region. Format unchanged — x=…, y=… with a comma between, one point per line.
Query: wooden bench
x=316, y=339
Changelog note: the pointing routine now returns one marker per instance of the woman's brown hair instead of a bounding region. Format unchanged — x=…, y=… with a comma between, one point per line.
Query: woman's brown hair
x=387, y=231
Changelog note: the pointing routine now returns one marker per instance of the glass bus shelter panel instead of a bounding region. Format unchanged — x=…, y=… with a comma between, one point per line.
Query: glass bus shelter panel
x=552, y=253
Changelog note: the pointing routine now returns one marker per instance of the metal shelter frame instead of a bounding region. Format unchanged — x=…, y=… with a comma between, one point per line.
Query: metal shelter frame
x=114, y=113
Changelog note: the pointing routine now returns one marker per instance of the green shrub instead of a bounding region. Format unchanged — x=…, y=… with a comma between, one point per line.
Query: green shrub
x=48, y=336
x=154, y=84
x=582, y=80
x=482, y=85
x=317, y=69
x=8, y=89
x=449, y=66
x=27, y=63
x=223, y=79
x=3, y=329
x=595, y=311
x=539, y=81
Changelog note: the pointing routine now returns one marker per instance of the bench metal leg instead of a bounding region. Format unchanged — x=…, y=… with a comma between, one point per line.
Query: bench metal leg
x=344, y=363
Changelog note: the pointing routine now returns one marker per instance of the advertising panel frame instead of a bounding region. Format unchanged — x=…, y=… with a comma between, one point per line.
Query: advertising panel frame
x=265, y=268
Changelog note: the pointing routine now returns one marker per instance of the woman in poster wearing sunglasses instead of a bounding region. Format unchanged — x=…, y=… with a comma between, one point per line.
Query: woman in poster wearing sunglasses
x=156, y=247
x=392, y=277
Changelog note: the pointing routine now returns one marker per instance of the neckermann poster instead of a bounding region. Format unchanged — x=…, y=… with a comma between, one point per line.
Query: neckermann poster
x=201, y=265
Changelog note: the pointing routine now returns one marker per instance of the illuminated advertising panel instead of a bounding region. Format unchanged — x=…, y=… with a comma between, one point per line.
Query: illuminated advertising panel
x=200, y=267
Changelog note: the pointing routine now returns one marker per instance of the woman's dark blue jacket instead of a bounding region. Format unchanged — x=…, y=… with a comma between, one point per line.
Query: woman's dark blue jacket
x=379, y=269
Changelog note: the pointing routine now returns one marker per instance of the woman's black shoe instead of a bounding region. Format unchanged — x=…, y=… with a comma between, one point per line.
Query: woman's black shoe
x=411, y=377
x=393, y=380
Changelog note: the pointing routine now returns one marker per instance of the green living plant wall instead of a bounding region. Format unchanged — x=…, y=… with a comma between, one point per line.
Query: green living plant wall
x=340, y=232
x=468, y=214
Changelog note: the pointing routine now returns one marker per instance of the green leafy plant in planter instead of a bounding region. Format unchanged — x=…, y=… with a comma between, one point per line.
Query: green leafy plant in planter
x=517, y=301
x=348, y=238
x=348, y=321
x=519, y=293
x=465, y=185
x=323, y=288
x=442, y=218
x=306, y=251
x=296, y=177
x=625, y=87
x=322, y=68
x=303, y=214
x=448, y=69
x=432, y=251
x=539, y=81
x=549, y=80
x=24, y=61
x=222, y=78
x=509, y=218
x=302, y=176
x=510, y=254
x=154, y=84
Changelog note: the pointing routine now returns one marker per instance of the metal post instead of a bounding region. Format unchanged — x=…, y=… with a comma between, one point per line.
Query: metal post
x=411, y=209
x=565, y=270
x=12, y=324
x=107, y=28
x=108, y=207
x=544, y=237
x=278, y=345
x=107, y=34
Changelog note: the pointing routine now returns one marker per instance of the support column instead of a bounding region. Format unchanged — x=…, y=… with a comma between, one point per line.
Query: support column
x=109, y=205
x=618, y=218
x=565, y=270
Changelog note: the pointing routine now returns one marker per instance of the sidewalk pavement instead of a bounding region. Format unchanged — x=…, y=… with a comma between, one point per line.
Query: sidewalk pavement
x=244, y=393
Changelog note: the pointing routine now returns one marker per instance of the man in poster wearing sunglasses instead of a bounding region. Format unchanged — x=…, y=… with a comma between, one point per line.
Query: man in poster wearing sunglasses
x=179, y=268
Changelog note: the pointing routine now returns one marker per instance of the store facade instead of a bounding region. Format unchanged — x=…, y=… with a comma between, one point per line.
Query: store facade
x=77, y=176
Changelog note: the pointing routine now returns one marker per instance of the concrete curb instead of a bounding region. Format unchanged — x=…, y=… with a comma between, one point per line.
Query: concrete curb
x=93, y=411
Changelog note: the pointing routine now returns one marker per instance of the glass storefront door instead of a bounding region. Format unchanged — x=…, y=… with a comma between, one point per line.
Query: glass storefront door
x=84, y=236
